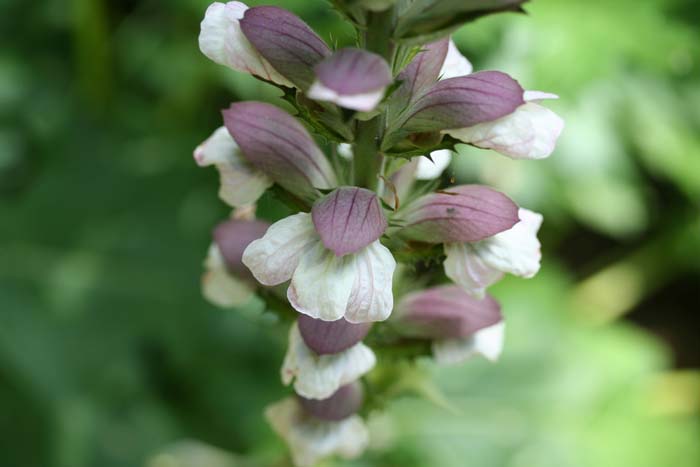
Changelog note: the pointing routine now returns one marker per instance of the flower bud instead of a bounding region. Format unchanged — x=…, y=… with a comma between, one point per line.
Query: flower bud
x=351, y=78
x=286, y=42
x=330, y=337
x=345, y=402
x=348, y=219
x=446, y=312
x=465, y=213
x=279, y=146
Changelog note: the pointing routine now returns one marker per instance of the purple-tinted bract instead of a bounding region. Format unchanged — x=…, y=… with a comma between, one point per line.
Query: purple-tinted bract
x=466, y=213
x=348, y=219
x=344, y=402
x=354, y=71
x=330, y=337
x=446, y=312
x=465, y=101
x=285, y=41
x=277, y=144
x=233, y=236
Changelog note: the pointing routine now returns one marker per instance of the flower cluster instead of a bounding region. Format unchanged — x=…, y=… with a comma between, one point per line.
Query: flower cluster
x=371, y=128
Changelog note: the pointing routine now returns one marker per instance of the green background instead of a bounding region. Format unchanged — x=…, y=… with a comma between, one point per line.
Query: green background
x=110, y=357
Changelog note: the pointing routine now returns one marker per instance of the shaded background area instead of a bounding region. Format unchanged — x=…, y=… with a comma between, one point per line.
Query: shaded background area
x=110, y=357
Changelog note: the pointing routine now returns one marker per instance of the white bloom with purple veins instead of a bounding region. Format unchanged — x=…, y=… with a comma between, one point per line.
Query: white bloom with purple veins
x=477, y=265
x=318, y=375
x=337, y=266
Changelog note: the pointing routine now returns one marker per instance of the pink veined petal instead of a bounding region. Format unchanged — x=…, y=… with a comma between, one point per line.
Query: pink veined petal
x=345, y=402
x=329, y=337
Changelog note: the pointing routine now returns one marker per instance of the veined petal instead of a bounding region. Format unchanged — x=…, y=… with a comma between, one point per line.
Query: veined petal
x=322, y=283
x=372, y=298
x=348, y=219
x=285, y=41
x=421, y=73
x=488, y=343
x=279, y=146
x=465, y=213
x=455, y=63
x=240, y=183
x=465, y=101
x=477, y=265
x=345, y=402
x=219, y=286
x=352, y=78
x=531, y=132
x=311, y=440
x=273, y=258
x=329, y=337
x=446, y=312
x=466, y=268
x=319, y=376
x=222, y=40
x=430, y=169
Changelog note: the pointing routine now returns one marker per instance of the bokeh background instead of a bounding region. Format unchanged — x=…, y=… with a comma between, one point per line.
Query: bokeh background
x=110, y=357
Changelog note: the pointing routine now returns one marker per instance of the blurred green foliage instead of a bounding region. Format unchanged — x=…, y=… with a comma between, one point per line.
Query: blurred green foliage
x=109, y=356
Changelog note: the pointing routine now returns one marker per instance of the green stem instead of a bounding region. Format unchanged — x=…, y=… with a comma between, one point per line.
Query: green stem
x=368, y=159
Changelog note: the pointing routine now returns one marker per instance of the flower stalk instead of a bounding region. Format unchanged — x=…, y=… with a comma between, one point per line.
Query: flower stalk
x=335, y=268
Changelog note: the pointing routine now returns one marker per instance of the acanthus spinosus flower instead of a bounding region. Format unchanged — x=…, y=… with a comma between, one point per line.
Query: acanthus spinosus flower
x=458, y=325
x=337, y=266
x=352, y=218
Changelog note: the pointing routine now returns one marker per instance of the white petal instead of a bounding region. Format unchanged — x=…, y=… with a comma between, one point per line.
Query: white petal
x=536, y=96
x=310, y=440
x=241, y=184
x=319, y=376
x=467, y=269
x=273, y=258
x=531, y=132
x=322, y=283
x=372, y=298
x=222, y=40
x=430, y=170
x=516, y=251
x=219, y=286
x=455, y=63
x=362, y=102
x=487, y=342
x=345, y=151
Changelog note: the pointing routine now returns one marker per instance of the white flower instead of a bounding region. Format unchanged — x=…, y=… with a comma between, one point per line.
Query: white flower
x=221, y=287
x=241, y=184
x=319, y=376
x=429, y=170
x=222, y=40
x=487, y=342
x=356, y=286
x=311, y=439
x=531, y=132
x=475, y=266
